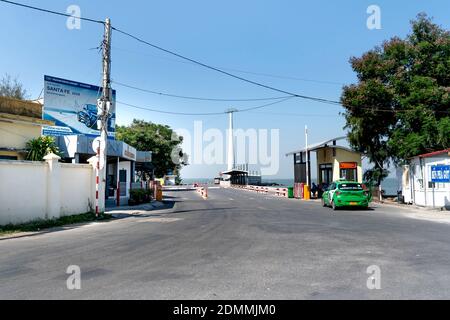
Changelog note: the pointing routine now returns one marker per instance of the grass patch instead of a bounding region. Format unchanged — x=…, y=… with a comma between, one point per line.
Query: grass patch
x=40, y=224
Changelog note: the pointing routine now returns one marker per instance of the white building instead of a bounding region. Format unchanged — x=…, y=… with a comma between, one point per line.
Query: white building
x=426, y=180
x=122, y=163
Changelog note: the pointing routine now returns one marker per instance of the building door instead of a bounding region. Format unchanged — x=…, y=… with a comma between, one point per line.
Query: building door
x=123, y=182
x=110, y=180
x=325, y=173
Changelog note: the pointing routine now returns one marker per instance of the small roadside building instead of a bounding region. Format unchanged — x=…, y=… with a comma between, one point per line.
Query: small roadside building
x=240, y=175
x=123, y=161
x=20, y=121
x=334, y=162
x=426, y=180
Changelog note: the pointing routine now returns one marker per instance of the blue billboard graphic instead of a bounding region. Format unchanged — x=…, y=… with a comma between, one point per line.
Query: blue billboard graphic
x=440, y=173
x=73, y=107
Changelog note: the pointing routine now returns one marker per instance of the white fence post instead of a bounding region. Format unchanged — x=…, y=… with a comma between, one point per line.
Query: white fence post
x=93, y=162
x=53, y=186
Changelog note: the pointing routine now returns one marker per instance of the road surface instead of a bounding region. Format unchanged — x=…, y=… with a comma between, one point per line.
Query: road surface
x=235, y=245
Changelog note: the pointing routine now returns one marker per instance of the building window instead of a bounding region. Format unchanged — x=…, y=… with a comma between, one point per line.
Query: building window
x=348, y=174
x=348, y=171
x=8, y=157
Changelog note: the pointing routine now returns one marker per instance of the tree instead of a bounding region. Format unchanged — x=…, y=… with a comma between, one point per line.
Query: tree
x=12, y=88
x=167, y=155
x=400, y=106
x=40, y=147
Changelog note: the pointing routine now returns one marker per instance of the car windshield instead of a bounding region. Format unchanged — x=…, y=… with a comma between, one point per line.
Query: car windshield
x=350, y=186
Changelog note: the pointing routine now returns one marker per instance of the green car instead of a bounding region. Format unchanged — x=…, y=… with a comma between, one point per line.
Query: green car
x=346, y=194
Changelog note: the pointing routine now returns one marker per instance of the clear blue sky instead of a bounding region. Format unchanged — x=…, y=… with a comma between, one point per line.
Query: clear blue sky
x=304, y=39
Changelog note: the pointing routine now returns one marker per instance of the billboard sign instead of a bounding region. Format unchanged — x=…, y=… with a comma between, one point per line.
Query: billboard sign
x=73, y=107
x=440, y=173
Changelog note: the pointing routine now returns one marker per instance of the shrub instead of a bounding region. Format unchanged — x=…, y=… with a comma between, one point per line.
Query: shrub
x=138, y=196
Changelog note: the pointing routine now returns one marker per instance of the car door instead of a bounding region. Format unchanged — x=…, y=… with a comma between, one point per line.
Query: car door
x=331, y=192
x=325, y=197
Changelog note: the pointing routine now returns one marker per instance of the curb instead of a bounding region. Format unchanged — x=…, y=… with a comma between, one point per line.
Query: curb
x=411, y=206
x=18, y=235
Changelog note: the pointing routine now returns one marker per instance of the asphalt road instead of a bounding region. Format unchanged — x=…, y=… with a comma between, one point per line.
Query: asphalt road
x=235, y=245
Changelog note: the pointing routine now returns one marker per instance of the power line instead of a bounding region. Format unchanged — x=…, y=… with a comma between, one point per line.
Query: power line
x=196, y=98
x=200, y=114
x=169, y=112
x=296, y=114
x=224, y=72
x=278, y=76
x=50, y=11
x=175, y=54
x=283, y=76
x=264, y=105
x=327, y=101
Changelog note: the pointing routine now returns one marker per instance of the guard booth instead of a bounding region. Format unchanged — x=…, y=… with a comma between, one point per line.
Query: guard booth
x=123, y=162
x=237, y=177
x=333, y=162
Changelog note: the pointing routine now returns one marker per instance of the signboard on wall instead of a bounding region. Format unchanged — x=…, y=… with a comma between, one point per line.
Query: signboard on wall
x=440, y=173
x=128, y=152
x=73, y=107
x=348, y=165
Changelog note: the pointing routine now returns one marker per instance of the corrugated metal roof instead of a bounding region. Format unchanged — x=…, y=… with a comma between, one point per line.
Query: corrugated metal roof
x=319, y=145
x=432, y=154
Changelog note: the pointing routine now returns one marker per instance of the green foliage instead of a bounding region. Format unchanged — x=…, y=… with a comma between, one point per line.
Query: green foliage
x=12, y=88
x=400, y=106
x=373, y=176
x=40, y=224
x=38, y=148
x=160, y=139
x=138, y=196
x=178, y=180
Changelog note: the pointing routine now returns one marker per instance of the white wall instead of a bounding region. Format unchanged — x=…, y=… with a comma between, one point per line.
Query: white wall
x=43, y=190
x=76, y=188
x=420, y=175
x=23, y=191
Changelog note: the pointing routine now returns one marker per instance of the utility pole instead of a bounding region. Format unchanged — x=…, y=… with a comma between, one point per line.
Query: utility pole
x=307, y=156
x=103, y=108
x=231, y=161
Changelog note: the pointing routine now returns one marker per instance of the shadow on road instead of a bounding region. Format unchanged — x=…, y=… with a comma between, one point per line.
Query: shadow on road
x=207, y=209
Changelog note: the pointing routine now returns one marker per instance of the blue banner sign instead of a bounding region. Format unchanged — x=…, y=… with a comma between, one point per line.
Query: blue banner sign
x=440, y=173
x=73, y=107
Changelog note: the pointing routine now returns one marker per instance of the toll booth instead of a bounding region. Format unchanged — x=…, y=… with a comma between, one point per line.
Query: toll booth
x=334, y=162
x=237, y=177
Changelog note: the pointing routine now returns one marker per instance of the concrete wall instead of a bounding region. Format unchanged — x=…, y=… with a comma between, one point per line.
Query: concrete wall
x=23, y=191
x=15, y=135
x=44, y=190
x=77, y=188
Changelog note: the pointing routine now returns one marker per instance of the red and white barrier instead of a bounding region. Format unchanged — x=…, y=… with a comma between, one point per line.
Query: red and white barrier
x=280, y=192
x=203, y=191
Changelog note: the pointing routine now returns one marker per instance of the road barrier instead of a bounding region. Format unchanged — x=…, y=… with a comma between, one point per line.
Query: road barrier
x=203, y=191
x=280, y=191
x=298, y=190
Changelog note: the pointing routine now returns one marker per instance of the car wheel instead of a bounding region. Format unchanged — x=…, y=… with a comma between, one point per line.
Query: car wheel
x=323, y=203
x=333, y=205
